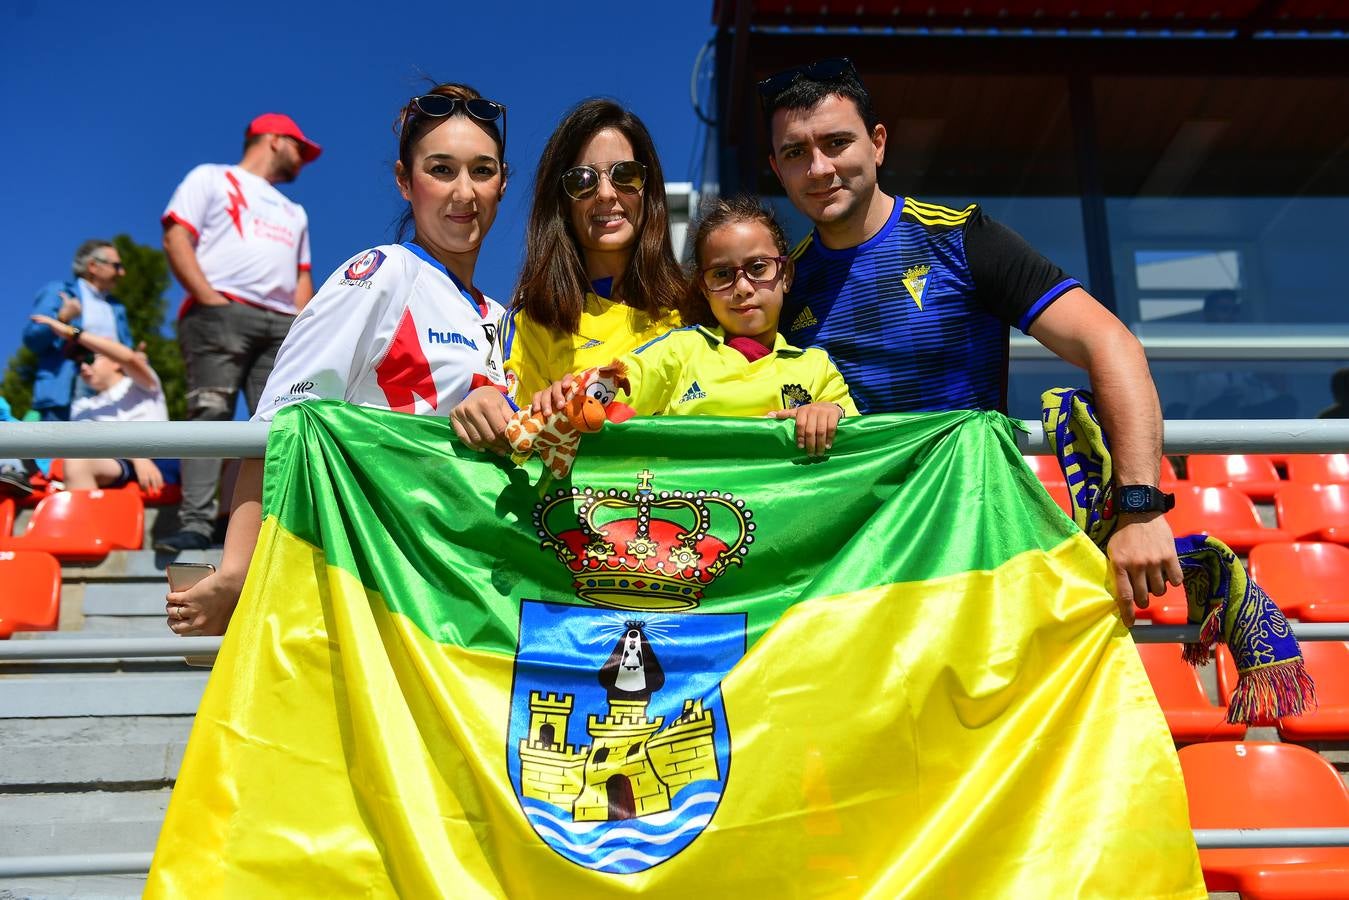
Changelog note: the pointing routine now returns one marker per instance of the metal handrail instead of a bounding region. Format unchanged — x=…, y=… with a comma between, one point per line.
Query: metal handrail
x=173, y=647
x=139, y=863
x=209, y=440
x=1180, y=634
x=83, y=864
x=109, y=648
x=1243, y=343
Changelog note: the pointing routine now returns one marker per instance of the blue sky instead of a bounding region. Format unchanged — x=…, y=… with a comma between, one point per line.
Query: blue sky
x=109, y=106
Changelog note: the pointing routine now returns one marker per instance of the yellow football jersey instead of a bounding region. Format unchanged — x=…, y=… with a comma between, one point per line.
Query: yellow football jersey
x=536, y=356
x=691, y=372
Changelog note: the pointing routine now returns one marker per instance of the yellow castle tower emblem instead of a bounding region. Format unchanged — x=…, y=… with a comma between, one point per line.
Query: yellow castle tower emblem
x=635, y=764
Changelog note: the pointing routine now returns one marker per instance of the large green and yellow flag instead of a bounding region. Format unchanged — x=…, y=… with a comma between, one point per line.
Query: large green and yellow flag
x=703, y=665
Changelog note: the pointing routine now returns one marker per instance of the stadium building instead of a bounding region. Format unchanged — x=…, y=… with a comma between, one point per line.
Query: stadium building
x=1188, y=160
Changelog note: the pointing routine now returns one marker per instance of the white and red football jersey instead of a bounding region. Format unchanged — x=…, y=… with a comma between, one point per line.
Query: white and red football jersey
x=391, y=329
x=252, y=240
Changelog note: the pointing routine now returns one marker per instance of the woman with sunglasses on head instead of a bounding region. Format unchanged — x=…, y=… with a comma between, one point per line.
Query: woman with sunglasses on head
x=599, y=276
x=398, y=327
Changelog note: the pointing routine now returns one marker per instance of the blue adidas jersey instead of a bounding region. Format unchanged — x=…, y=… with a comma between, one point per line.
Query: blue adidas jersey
x=917, y=317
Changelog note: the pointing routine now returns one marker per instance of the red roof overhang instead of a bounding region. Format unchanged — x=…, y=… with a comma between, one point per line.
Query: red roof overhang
x=1243, y=16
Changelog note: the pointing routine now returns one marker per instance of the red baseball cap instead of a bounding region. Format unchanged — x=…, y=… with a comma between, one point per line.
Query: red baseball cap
x=276, y=123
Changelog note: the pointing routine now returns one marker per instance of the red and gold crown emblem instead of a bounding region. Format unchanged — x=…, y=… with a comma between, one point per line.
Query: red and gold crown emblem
x=627, y=552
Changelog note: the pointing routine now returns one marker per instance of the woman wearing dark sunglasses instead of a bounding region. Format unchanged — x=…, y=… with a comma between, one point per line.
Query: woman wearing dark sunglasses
x=599, y=276
x=398, y=327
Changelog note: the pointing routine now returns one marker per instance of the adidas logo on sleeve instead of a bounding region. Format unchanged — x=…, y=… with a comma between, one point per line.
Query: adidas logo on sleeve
x=693, y=393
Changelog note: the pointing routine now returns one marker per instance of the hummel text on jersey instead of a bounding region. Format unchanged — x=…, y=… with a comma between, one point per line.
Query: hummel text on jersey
x=693, y=393
x=449, y=337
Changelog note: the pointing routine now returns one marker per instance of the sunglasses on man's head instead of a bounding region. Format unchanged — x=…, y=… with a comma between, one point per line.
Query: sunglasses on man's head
x=824, y=71
x=628, y=176
x=438, y=106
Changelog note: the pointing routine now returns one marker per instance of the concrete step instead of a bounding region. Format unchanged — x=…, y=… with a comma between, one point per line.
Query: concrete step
x=85, y=887
x=131, y=565
x=93, y=752
x=125, y=626
x=58, y=824
x=47, y=695
x=142, y=597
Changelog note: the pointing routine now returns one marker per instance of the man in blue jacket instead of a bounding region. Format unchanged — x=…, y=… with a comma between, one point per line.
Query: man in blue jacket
x=85, y=303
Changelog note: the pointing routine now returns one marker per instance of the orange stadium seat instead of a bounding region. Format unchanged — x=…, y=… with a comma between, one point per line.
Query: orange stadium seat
x=6, y=517
x=1328, y=664
x=31, y=600
x=1254, y=476
x=1319, y=468
x=1234, y=784
x=1046, y=468
x=1169, y=477
x=83, y=525
x=1058, y=492
x=1314, y=512
x=1189, y=714
x=1308, y=580
x=170, y=495
x=1169, y=609
x=1222, y=512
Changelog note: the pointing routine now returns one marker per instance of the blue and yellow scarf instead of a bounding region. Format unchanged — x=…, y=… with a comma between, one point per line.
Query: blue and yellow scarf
x=1272, y=680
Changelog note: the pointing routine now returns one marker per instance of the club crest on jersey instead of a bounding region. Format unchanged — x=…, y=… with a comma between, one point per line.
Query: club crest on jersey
x=915, y=282
x=358, y=273
x=794, y=395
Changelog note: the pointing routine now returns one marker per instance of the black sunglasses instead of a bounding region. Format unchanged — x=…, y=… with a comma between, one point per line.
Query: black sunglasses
x=824, y=71
x=438, y=106
x=107, y=262
x=580, y=182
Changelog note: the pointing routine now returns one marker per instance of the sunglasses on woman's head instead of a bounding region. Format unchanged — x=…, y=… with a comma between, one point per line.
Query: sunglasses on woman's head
x=438, y=106
x=580, y=182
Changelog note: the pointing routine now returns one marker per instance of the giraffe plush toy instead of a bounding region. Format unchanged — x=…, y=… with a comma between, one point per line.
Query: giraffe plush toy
x=556, y=438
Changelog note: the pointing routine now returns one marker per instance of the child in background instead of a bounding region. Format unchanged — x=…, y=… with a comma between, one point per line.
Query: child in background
x=733, y=362
x=125, y=389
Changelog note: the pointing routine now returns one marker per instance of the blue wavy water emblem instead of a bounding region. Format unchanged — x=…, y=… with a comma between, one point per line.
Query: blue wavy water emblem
x=562, y=650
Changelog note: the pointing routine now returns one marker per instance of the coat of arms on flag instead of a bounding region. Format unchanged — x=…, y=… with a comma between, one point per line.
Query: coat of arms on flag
x=619, y=745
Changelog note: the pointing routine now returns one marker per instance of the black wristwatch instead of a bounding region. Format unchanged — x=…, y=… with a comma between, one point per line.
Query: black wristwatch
x=1142, y=498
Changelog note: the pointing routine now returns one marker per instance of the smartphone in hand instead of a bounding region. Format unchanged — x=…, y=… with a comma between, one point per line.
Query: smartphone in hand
x=181, y=577
x=184, y=575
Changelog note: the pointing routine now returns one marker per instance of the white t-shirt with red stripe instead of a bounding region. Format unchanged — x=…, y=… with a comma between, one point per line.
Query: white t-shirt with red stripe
x=252, y=241
x=391, y=329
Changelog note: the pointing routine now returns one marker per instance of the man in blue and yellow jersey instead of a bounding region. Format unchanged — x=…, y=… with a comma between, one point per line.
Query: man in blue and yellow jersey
x=914, y=301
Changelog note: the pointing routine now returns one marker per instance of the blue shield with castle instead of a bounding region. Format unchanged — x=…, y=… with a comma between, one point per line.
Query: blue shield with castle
x=619, y=745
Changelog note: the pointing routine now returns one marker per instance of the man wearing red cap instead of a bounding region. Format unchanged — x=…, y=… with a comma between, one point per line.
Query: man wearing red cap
x=240, y=248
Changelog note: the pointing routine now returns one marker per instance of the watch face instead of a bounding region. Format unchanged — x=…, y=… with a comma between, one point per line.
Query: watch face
x=1134, y=499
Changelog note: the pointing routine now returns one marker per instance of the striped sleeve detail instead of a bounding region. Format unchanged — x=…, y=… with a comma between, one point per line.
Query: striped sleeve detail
x=932, y=214
x=1030, y=315
x=508, y=339
x=802, y=246
x=657, y=340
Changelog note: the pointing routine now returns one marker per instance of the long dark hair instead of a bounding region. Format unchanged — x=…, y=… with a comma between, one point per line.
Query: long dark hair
x=553, y=284
x=740, y=208
x=411, y=126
